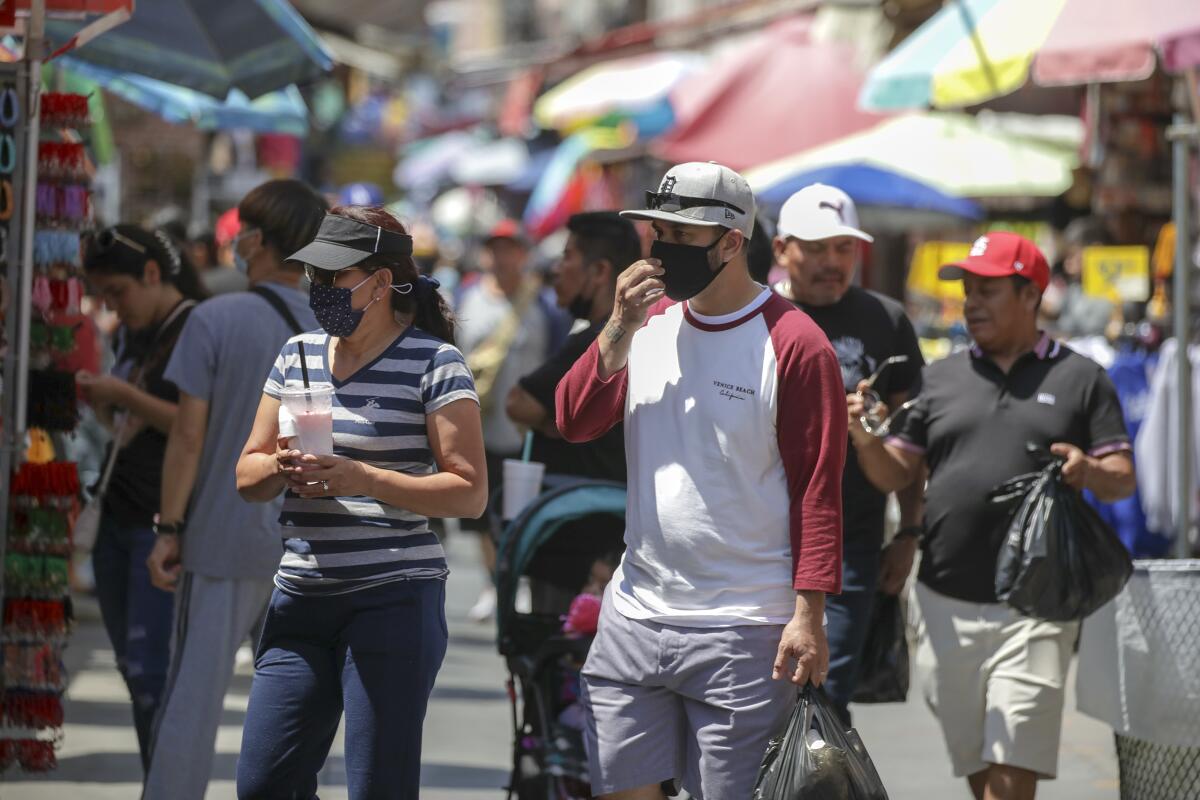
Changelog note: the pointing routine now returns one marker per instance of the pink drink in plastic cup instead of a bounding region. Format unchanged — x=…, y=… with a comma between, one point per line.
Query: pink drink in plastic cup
x=311, y=409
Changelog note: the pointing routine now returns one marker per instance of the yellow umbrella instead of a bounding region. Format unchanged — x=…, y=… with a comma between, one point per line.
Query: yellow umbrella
x=969, y=52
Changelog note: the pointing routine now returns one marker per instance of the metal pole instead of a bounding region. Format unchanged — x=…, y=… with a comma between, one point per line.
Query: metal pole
x=16, y=374
x=33, y=105
x=1182, y=301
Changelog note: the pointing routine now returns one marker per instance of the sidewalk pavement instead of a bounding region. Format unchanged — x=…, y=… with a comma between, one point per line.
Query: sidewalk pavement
x=468, y=729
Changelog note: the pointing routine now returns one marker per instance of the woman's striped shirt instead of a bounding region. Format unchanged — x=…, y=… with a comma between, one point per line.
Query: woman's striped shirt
x=334, y=545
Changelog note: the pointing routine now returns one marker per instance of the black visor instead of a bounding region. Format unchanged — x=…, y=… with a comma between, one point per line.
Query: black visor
x=341, y=243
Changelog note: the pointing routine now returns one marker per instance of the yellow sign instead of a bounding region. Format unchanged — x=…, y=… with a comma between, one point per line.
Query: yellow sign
x=1118, y=274
x=927, y=259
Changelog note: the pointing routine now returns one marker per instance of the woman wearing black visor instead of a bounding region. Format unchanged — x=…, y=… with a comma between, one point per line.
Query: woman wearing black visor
x=357, y=620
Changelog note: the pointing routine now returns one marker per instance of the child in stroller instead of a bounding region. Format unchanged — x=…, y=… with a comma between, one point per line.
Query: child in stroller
x=567, y=545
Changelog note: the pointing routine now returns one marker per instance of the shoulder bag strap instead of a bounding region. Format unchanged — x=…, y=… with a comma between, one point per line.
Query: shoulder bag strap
x=276, y=302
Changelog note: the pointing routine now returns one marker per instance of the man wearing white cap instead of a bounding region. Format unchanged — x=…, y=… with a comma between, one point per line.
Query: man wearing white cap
x=735, y=428
x=819, y=243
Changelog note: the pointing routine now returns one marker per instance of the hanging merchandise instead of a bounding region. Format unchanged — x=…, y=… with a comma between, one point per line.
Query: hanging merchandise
x=43, y=500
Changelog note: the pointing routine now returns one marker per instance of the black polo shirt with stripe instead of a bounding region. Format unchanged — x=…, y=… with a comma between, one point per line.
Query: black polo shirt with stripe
x=972, y=423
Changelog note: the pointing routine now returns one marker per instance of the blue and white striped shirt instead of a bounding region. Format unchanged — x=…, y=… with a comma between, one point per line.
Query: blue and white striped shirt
x=334, y=545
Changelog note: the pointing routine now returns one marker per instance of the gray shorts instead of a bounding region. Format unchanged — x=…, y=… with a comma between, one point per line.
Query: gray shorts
x=694, y=704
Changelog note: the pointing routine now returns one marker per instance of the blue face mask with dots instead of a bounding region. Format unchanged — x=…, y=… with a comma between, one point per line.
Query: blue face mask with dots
x=334, y=308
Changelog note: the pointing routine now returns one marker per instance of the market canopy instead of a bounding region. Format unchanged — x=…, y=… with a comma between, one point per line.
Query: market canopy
x=633, y=88
x=212, y=46
x=776, y=94
x=1117, y=40
x=959, y=154
x=975, y=50
x=278, y=112
x=873, y=187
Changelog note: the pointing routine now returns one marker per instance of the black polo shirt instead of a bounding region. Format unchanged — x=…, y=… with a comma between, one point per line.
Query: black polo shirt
x=972, y=424
x=865, y=329
x=602, y=459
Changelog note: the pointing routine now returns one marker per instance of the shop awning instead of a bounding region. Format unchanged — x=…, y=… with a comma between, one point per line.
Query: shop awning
x=776, y=94
x=974, y=50
x=283, y=111
x=212, y=46
x=961, y=155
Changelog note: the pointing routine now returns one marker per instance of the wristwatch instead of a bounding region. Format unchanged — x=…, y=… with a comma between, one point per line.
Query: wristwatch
x=168, y=528
x=915, y=531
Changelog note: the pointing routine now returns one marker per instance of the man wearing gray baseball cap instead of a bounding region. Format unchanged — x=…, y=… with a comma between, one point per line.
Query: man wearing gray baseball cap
x=819, y=242
x=735, y=427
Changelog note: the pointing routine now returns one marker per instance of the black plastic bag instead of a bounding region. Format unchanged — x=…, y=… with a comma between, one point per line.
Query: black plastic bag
x=817, y=758
x=1060, y=561
x=883, y=670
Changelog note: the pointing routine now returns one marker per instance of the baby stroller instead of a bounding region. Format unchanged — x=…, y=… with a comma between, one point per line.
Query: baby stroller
x=553, y=544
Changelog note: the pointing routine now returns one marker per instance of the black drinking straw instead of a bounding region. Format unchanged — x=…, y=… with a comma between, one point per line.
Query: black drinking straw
x=303, y=364
x=304, y=374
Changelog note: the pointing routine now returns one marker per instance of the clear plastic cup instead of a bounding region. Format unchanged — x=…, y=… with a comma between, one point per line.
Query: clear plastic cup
x=522, y=484
x=311, y=409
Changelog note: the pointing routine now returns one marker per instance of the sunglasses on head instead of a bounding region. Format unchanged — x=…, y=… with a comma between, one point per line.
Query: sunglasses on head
x=109, y=238
x=669, y=201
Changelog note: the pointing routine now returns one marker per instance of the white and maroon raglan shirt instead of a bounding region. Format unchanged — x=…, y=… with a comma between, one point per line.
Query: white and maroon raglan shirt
x=735, y=437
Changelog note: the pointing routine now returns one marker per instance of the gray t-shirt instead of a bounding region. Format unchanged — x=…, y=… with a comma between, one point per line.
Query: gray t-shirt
x=478, y=315
x=224, y=356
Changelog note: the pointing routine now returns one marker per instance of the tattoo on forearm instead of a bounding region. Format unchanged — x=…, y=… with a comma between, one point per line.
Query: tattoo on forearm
x=614, y=331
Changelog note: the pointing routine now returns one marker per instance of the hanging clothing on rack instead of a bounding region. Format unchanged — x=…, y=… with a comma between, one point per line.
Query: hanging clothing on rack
x=1157, y=444
x=1130, y=372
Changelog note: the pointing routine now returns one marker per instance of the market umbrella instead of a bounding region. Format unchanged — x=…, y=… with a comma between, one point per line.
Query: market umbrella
x=633, y=88
x=424, y=163
x=872, y=186
x=212, y=46
x=969, y=52
x=491, y=164
x=975, y=50
x=773, y=95
x=282, y=111
x=1117, y=40
x=958, y=154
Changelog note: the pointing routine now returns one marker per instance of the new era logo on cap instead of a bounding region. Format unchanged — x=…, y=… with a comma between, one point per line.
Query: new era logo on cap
x=1001, y=254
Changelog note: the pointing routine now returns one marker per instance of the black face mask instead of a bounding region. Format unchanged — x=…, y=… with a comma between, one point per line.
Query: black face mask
x=581, y=307
x=686, y=271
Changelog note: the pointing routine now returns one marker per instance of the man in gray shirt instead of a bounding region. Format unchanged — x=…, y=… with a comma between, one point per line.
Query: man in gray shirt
x=216, y=551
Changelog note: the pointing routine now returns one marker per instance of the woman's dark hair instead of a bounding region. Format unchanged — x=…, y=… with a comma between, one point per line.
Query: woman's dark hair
x=107, y=254
x=429, y=310
x=288, y=212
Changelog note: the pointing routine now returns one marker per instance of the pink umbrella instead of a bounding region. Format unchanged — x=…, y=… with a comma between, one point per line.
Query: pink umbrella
x=1115, y=40
x=776, y=95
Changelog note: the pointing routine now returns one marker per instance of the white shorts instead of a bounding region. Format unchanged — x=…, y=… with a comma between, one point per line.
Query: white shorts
x=995, y=680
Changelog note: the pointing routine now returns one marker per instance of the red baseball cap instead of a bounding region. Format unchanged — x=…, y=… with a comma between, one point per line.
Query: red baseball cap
x=998, y=254
x=506, y=229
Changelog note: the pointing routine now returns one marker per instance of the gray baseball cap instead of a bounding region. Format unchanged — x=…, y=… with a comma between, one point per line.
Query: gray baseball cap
x=700, y=193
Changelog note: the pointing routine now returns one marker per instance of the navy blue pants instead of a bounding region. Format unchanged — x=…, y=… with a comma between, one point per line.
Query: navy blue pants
x=849, y=617
x=137, y=617
x=374, y=653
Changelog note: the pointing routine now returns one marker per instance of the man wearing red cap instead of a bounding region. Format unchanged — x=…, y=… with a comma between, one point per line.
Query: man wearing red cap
x=993, y=677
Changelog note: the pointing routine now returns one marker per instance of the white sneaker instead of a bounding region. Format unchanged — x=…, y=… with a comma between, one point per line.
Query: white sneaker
x=485, y=607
